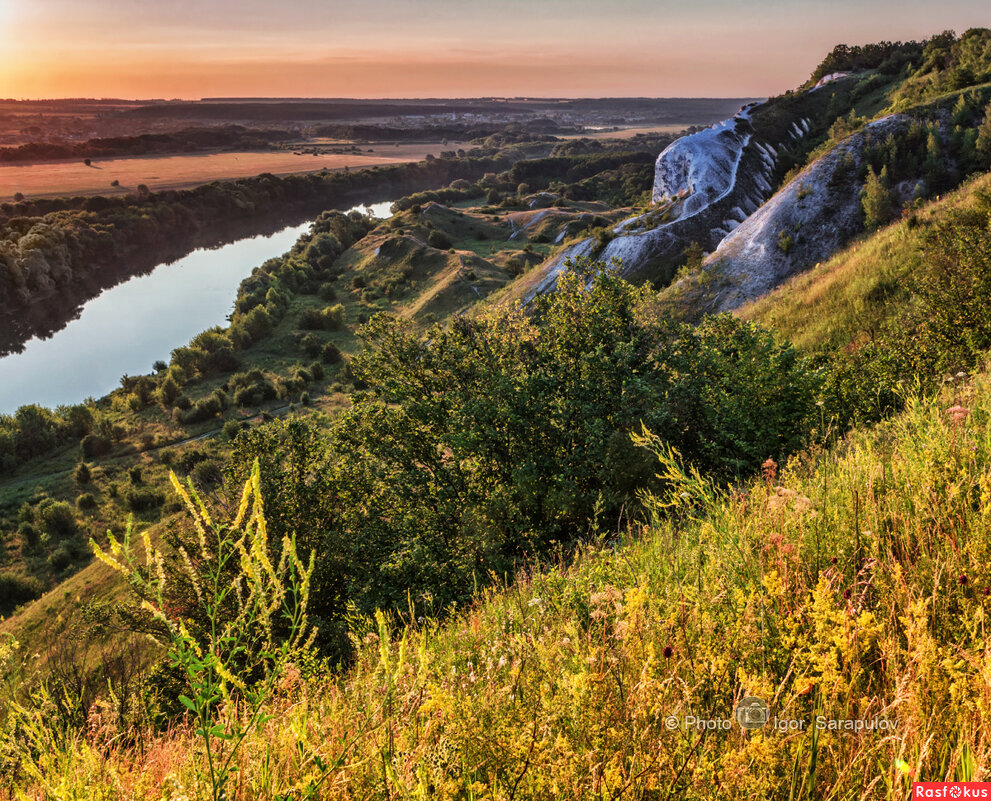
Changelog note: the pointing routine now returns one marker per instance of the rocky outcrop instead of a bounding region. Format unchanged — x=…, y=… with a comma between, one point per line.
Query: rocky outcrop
x=806, y=222
x=708, y=183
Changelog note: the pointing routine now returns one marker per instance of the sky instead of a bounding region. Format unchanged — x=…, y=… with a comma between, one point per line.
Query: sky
x=442, y=48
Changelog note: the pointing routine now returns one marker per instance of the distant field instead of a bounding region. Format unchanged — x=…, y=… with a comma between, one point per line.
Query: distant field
x=626, y=133
x=172, y=172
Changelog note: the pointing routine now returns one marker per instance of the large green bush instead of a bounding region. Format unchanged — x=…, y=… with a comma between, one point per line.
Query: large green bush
x=504, y=437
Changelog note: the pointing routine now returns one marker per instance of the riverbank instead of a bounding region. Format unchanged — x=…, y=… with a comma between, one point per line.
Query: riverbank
x=57, y=254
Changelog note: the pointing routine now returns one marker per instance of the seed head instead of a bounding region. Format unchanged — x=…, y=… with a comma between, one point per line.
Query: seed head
x=769, y=469
x=957, y=414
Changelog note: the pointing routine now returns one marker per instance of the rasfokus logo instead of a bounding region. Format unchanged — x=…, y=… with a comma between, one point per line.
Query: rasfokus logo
x=952, y=790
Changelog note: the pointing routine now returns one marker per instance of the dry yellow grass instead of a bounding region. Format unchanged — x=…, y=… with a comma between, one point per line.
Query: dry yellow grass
x=854, y=293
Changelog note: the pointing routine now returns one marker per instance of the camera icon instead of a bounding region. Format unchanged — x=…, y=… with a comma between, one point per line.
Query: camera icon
x=752, y=712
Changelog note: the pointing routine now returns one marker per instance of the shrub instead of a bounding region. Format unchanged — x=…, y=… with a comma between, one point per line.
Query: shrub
x=311, y=320
x=56, y=519
x=248, y=328
x=877, y=200
x=330, y=318
x=143, y=499
x=327, y=292
x=93, y=446
x=785, y=242
x=231, y=429
x=334, y=317
x=501, y=437
x=439, y=240
x=207, y=474
x=330, y=353
x=204, y=409
x=16, y=590
x=30, y=536
x=251, y=388
x=60, y=558
x=82, y=473
x=311, y=344
x=86, y=502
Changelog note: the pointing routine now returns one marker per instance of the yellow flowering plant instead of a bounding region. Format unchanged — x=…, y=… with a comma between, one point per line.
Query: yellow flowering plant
x=255, y=623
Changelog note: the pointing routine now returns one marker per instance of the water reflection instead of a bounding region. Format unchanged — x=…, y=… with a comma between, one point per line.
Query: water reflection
x=127, y=328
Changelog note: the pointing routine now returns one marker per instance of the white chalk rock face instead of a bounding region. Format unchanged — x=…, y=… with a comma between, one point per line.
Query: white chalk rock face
x=702, y=167
x=812, y=217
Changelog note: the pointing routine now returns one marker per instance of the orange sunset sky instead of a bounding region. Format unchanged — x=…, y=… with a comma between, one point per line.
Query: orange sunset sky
x=441, y=48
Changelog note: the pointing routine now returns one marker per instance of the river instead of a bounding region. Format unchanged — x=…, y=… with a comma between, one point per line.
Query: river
x=127, y=328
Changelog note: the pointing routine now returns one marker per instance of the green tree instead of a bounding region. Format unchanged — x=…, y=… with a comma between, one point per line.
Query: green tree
x=984, y=137
x=507, y=435
x=876, y=199
x=82, y=474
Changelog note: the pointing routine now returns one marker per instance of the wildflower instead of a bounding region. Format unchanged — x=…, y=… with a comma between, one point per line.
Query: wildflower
x=668, y=651
x=958, y=413
x=962, y=581
x=783, y=497
x=769, y=469
x=847, y=593
x=987, y=591
x=291, y=678
x=835, y=560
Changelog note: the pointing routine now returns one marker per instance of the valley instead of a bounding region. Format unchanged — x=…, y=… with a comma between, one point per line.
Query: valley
x=488, y=494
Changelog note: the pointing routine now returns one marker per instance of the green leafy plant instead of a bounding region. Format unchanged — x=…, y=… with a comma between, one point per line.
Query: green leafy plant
x=252, y=619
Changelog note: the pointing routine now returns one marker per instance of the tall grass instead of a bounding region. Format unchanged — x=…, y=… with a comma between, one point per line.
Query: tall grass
x=853, y=584
x=856, y=292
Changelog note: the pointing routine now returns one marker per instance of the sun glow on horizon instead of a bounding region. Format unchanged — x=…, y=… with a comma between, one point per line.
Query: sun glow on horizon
x=391, y=48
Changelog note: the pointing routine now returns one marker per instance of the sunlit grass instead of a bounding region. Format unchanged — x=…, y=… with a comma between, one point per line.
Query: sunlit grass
x=851, y=585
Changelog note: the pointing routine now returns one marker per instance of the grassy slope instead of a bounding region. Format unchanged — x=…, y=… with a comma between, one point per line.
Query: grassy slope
x=854, y=586
x=855, y=292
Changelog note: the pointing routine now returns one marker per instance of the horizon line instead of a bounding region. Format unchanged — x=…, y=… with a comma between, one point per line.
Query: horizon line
x=383, y=99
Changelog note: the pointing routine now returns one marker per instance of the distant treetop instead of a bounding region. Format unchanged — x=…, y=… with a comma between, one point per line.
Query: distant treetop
x=888, y=57
x=942, y=63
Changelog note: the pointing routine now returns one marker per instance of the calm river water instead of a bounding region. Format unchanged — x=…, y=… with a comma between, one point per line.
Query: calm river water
x=127, y=328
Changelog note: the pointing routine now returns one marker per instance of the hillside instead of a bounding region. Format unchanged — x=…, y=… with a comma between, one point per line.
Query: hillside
x=863, y=287
x=80, y=471
x=781, y=186
x=830, y=603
